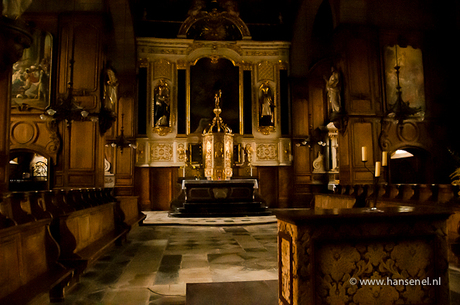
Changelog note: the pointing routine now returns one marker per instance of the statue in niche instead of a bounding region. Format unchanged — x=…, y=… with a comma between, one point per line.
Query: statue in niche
x=111, y=89
x=162, y=105
x=267, y=106
x=333, y=91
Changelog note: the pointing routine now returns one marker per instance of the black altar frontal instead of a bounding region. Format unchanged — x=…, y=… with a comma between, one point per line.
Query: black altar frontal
x=219, y=198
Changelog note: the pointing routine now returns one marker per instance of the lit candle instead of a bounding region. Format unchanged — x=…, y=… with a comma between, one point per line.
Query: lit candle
x=364, y=153
x=377, y=168
x=384, y=158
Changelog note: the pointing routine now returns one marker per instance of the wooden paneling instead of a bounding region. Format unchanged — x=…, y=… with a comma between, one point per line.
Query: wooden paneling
x=299, y=117
x=142, y=187
x=82, y=146
x=362, y=136
x=358, y=68
x=162, y=181
x=82, y=37
x=284, y=186
x=302, y=160
x=268, y=185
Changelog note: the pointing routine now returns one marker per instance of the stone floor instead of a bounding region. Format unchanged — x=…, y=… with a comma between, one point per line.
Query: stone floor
x=155, y=264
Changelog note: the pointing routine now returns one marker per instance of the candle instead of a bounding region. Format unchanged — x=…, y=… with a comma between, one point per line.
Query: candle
x=377, y=168
x=364, y=153
x=384, y=158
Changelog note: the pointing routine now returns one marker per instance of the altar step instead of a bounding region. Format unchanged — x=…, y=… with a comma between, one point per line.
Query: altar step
x=234, y=209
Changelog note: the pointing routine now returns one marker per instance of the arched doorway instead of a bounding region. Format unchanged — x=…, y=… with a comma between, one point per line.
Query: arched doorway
x=410, y=166
x=28, y=170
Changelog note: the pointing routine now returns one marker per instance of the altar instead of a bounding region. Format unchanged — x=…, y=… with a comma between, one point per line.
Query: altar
x=219, y=198
x=393, y=255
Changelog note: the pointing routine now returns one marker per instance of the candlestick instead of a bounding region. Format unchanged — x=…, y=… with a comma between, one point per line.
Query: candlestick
x=384, y=158
x=378, y=165
x=364, y=153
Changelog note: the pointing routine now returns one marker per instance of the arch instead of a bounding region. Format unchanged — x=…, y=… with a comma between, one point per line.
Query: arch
x=214, y=26
x=25, y=176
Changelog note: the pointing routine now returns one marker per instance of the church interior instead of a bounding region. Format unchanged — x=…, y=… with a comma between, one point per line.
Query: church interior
x=335, y=119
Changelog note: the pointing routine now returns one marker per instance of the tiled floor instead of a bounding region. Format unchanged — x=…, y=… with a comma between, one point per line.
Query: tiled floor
x=158, y=261
x=154, y=266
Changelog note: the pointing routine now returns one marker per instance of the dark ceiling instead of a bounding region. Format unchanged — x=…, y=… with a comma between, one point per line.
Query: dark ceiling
x=266, y=20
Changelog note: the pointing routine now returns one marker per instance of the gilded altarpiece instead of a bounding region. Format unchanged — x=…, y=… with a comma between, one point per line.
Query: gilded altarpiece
x=165, y=144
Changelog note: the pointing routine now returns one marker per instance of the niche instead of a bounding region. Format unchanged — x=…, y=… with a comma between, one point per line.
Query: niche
x=28, y=171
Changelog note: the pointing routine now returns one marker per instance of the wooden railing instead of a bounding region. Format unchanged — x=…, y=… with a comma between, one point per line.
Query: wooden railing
x=384, y=195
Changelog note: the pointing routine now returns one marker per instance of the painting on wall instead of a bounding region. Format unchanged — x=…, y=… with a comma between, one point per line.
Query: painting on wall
x=31, y=75
x=409, y=64
x=207, y=77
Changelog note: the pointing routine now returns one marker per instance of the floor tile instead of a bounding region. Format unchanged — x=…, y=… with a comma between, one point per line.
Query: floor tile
x=157, y=262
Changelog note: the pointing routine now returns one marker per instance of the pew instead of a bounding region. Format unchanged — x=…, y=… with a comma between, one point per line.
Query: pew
x=29, y=256
x=49, y=238
x=93, y=223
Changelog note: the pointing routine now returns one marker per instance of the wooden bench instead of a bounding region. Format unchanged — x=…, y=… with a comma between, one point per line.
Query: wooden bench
x=49, y=238
x=28, y=260
x=129, y=210
x=85, y=234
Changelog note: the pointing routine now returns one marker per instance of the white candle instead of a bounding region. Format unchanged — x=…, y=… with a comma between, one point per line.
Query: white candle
x=384, y=158
x=377, y=168
x=364, y=153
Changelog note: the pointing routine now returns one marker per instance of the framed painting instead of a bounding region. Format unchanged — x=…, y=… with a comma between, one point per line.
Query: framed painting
x=408, y=63
x=31, y=75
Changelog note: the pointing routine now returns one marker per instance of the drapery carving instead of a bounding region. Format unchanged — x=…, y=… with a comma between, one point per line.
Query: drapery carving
x=326, y=259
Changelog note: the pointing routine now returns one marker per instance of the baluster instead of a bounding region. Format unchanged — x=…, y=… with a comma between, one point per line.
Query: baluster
x=445, y=193
x=425, y=192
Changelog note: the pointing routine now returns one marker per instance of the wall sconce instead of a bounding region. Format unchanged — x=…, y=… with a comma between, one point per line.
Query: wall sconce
x=67, y=110
x=121, y=141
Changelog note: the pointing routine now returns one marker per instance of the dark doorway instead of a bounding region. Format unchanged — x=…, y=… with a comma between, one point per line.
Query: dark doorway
x=410, y=166
x=28, y=171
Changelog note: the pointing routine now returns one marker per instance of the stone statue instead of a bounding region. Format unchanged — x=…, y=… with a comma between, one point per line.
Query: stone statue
x=111, y=89
x=266, y=105
x=161, y=96
x=333, y=90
